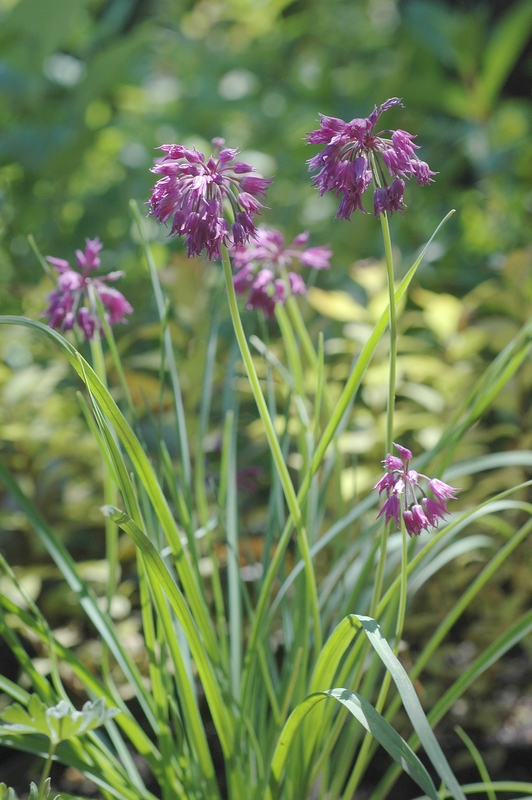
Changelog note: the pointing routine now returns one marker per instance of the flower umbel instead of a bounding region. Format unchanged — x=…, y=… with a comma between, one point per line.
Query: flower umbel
x=401, y=484
x=262, y=267
x=197, y=193
x=355, y=156
x=73, y=301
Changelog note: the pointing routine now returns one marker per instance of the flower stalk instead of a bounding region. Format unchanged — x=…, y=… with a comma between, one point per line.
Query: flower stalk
x=277, y=455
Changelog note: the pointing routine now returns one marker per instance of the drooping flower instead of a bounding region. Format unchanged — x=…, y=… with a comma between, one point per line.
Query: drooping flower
x=420, y=511
x=262, y=267
x=72, y=302
x=195, y=192
x=355, y=156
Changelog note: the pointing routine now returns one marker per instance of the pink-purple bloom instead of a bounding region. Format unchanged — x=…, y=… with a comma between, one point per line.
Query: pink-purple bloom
x=194, y=192
x=355, y=156
x=262, y=268
x=420, y=510
x=73, y=301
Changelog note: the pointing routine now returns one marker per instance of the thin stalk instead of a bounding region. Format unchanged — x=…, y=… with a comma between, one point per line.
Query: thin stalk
x=109, y=488
x=363, y=755
x=334, y=419
x=110, y=339
x=46, y=771
x=277, y=455
x=168, y=346
x=393, y=331
x=200, y=491
x=233, y=572
x=379, y=577
x=294, y=361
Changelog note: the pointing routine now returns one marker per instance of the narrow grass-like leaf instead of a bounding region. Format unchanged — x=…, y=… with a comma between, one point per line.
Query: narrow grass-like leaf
x=209, y=679
x=144, y=470
x=508, y=639
x=324, y=540
x=349, y=391
x=234, y=599
x=499, y=503
x=373, y=722
x=13, y=690
x=93, y=686
x=192, y=722
x=497, y=786
x=156, y=650
x=87, y=600
x=364, y=358
x=452, y=551
x=12, y=640
x=479, y=761
x=168, y=347
x=72, y=754
x=411, y=704
x=203, y=421
x=478, y=399
x=325, y=674
x=332, y=653
x=509, y=458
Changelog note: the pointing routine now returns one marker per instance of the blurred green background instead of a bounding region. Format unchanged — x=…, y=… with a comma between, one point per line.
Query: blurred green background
x=89, y=89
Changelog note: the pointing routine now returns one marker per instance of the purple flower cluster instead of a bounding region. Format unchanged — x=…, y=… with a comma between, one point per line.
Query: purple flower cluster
x=354, y=156
x=195, y=192
x=262, y=267
x=400, y=481
x=72, y=301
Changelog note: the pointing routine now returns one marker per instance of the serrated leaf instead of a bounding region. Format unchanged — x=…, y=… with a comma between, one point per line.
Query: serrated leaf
x=59, y=722
x=30, y=720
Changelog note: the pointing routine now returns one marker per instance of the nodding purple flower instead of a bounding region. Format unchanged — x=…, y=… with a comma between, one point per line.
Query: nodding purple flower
x=72, y=302
x=355, y=156
x=261, y=268
x=403, y=492
x=194, y=193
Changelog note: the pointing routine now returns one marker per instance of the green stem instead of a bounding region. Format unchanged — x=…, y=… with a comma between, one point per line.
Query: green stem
x=379, y=577
x=46, y=771
x=277, y=455
x=362, y=758
x=109, y=489
x=401, y=612
x=168, y=347
x=393, y=332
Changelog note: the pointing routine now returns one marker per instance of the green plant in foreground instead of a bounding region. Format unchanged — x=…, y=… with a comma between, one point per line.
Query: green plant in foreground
x=58, y=723
x=291, y=720
x=34, y=794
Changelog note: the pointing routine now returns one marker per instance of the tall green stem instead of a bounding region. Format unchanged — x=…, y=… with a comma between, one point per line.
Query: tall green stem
x=379, y=577
x=109, y=489
x=277, y=455
x=393, y=332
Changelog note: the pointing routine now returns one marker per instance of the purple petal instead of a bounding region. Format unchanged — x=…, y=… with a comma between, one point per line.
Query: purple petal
x=404, y=452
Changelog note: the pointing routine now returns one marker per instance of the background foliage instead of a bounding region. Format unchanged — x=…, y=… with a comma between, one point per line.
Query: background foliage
x=90, y=87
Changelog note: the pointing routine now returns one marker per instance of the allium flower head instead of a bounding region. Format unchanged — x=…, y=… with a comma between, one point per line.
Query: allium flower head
x=404, y=493
x=262, y=267
x=355, y=155
x=72, y=301
x=197, y=193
